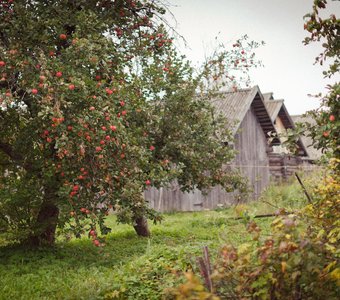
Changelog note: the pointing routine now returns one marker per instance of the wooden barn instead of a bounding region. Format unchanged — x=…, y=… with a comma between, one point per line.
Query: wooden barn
x=282, y=163
x=252, y=125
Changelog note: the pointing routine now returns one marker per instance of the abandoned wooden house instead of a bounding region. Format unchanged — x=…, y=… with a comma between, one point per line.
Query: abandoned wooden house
x=252, y=126
x=282, y=163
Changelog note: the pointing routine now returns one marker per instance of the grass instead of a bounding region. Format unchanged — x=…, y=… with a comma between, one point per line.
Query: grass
x=130, y=267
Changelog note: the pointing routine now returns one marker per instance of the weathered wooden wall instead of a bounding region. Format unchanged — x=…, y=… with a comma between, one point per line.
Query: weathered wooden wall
x=283, y=166
x=252, y=160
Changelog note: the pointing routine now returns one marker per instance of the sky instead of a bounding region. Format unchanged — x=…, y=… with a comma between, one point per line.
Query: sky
x=289, y=71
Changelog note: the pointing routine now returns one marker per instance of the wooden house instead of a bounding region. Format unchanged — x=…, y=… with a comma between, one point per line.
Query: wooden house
x=282, y=121
x=252, y=126
x=282, y=163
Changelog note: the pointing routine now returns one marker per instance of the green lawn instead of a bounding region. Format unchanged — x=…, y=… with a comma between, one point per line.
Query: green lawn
x=128, y=267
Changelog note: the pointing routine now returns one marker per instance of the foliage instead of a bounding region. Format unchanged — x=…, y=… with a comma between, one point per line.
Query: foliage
x=96, y=106
x=325, y=133
x=300, y=259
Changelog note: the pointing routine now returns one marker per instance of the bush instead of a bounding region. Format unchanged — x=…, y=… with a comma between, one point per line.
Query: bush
x=299, y=260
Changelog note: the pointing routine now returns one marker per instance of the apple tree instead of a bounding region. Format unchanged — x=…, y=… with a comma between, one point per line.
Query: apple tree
x=95, y=106
x=326, y=31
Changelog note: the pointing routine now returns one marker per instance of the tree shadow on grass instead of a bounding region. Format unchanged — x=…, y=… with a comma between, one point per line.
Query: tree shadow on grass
x=118, y=249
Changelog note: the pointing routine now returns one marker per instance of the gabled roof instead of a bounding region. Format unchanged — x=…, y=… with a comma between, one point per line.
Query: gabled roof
x=277, y=108
x=312, y=152
x=268, y=96
x=273, y=107
x=234, y=106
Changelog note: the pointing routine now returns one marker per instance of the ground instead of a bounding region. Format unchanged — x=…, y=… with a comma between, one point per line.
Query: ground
x=130, y=267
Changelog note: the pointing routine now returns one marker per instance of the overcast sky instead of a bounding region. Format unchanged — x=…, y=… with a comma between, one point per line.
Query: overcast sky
x=288, y=69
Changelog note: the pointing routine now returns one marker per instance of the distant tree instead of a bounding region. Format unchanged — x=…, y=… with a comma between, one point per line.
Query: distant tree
x=96, y=106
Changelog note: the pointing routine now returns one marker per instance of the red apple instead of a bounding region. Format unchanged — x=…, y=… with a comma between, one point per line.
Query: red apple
x=59, y=74
x=152, y=148
x=75, y=187
x=63, y=36
x=147, y=182
x=332, y=118
x=325, y=133
x=98, y=149
x=113, y=128
x=34, y=91
x=2, y=63
x=71, y=87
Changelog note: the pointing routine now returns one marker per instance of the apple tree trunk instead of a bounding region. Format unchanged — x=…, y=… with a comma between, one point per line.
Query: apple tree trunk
x=141, y=226
x=46, y=222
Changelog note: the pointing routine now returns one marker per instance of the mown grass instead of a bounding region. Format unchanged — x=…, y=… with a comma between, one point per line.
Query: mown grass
x=130, y=267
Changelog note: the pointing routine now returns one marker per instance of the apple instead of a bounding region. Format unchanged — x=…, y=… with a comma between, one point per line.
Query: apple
x=98, y=149
x=34, y=91
x=325, y=133
x=104, y=128
x=102, y=142
x=69, y=128
x=59, y=74
x=63, y=36
x=71, y=87
x=332, y=118
x=147, y=182
x=107, y=138
x=113, y=128
x=96, y=243
x=2, y=63
x=92, y=108
x=75, y=188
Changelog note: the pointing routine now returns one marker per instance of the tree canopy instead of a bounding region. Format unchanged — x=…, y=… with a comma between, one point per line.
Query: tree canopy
x=96, y=106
